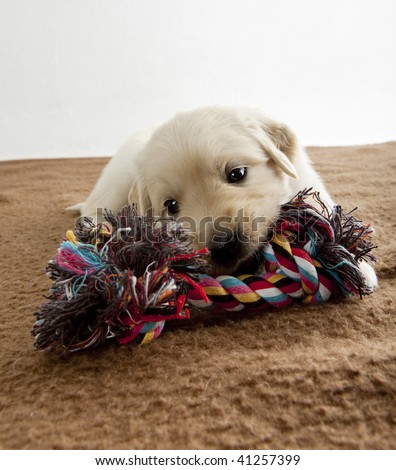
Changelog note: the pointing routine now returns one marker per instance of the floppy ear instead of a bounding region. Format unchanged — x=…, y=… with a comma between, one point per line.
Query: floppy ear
x=278, y=141
x=139, y=195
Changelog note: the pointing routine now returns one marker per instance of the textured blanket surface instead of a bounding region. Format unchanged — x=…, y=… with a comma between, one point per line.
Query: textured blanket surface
x=313, y=377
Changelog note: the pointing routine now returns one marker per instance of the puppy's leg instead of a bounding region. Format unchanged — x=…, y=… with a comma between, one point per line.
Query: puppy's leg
x=369, y=275
x=112, y=189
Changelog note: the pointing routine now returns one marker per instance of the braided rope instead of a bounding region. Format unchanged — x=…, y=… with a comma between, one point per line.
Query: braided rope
x=126, y=288
x=297, y=264
x=312, y=256
x=291, y=275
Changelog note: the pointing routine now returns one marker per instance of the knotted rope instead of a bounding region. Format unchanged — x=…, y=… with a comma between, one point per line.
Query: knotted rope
x=312, y=255
x=126, y=282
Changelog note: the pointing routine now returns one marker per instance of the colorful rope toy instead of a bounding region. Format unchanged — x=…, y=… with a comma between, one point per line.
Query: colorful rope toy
x=125, y=282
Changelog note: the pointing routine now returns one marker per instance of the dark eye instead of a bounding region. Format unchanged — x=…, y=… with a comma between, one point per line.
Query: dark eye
x=172, y=206
x=237, y=174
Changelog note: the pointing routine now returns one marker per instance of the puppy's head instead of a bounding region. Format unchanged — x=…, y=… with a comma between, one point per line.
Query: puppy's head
x=223, y=174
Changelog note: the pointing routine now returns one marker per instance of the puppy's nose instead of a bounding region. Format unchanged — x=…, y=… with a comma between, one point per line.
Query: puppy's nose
x=224, y=247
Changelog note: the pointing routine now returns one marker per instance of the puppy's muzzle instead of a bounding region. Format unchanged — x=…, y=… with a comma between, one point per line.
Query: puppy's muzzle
x=225, y=248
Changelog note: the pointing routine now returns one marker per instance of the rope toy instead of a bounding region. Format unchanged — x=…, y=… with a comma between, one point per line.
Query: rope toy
x=125, y=282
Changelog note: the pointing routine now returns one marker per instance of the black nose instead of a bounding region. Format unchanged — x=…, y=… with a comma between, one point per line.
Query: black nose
x=224, y=247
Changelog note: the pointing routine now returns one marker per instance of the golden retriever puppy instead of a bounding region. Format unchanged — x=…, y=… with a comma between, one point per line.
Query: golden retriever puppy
x=223, y=172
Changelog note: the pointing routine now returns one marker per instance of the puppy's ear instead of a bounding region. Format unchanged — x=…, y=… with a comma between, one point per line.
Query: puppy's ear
x=278, y=142
x=139, y=195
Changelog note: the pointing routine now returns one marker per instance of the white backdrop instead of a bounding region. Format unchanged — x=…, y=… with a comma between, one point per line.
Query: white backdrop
x=77, y=77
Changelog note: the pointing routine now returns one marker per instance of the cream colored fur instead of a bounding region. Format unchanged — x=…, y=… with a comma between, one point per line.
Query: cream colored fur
x=188, y=158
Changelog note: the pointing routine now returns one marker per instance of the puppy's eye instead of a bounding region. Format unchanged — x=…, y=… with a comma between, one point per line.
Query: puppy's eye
x=237, y=174
x=172, y=206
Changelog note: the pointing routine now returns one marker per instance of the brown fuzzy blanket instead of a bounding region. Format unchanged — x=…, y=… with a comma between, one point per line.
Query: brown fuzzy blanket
x=314, y=377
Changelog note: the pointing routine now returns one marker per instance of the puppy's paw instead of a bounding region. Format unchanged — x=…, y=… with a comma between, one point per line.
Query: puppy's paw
x=76, y=208
x=369, y=275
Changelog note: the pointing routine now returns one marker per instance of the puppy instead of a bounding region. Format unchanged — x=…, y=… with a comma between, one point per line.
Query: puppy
x=222, y=172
